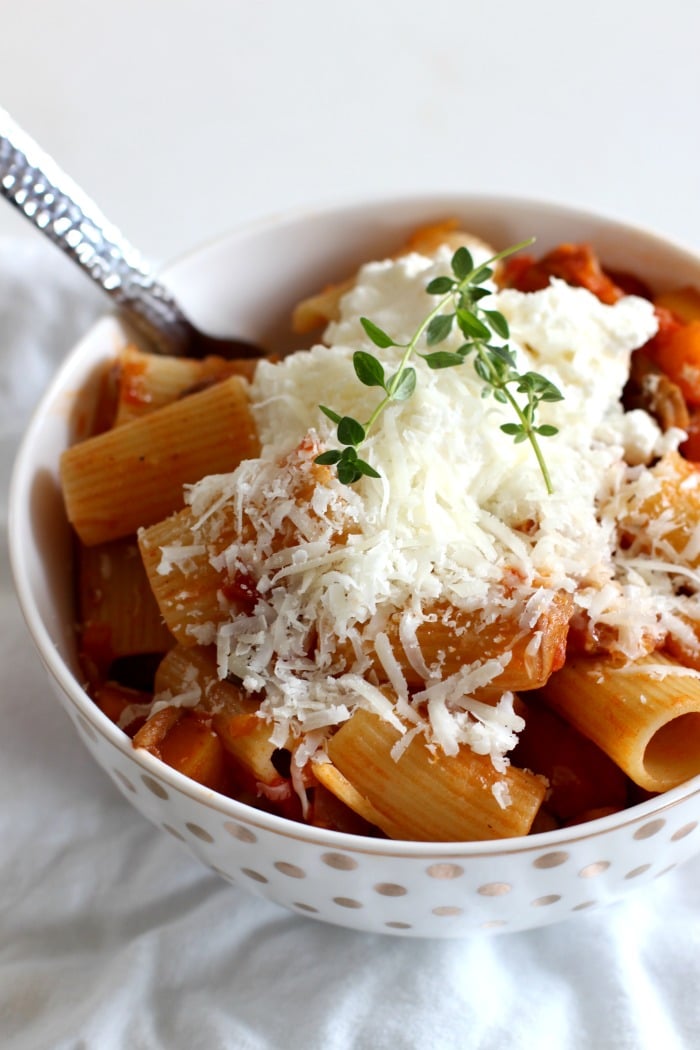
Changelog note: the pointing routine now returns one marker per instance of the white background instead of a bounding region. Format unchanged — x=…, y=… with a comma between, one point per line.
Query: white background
x=183, y=119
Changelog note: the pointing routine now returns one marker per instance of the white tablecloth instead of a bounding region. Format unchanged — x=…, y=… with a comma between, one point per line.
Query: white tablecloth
x=112, y=937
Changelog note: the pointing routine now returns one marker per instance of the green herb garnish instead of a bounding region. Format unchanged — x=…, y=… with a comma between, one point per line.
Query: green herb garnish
x=460, y=304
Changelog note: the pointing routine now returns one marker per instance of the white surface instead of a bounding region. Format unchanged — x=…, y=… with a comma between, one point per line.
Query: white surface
x=181, y=119
x=110, y=935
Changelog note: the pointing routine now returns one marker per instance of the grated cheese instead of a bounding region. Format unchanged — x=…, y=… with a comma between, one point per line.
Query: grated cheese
x=459, y=515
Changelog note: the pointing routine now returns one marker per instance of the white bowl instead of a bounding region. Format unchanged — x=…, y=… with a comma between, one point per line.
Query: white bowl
x=246, y=283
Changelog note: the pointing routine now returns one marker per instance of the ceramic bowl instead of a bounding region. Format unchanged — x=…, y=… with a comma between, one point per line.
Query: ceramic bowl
x=245, y=283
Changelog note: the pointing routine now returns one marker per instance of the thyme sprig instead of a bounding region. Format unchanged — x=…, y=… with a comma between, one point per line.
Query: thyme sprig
x=460, y=303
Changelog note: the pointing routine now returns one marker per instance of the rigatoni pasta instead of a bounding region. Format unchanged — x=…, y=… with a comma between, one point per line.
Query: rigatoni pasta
x=645, y=715
x=441, y=649
x=244, y=736
x=456, y=798
x=146, y=382
x=134, y=474
x=119, y=615
x=449, y=637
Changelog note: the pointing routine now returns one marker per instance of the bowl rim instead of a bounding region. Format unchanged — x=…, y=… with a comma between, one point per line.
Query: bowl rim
x=22, y=475
x=438, y=200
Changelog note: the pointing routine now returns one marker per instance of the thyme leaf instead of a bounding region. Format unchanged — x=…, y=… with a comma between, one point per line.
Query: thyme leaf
x=459, y=303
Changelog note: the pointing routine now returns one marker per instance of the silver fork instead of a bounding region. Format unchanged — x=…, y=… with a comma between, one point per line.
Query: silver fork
x=33, y=182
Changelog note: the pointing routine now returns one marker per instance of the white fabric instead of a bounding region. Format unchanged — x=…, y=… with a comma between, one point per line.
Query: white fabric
x=112, y=937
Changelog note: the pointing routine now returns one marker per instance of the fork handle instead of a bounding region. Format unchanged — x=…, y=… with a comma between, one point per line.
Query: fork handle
x=55, y=205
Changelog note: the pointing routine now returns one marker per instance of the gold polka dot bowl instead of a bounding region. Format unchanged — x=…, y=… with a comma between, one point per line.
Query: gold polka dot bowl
x=246, y=283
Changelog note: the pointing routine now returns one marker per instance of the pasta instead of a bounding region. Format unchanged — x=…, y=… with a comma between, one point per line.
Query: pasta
x=645, y=715
x=146, y=382
x=134, y=474
x=450, y=637
x=421, y=798
x=440, y=652
x=244, y=736
x=119, y=616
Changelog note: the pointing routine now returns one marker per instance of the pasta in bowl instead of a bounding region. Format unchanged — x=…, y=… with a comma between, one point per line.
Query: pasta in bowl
x=440, y=682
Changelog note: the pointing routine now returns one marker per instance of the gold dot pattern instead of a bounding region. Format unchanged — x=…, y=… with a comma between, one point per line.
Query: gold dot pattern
x=154, y=786
x=339, y=861
x=647, y=830
x=254, y=875
x=455, y=917
x=549, y=898
x=597, y=868
x=445, y=871
x=199, y=833
x=494, y=889
x=551, y=860
x=390, y=889
x=240, y=832
x=638, y=871
x=687, y=829
x=290, y=869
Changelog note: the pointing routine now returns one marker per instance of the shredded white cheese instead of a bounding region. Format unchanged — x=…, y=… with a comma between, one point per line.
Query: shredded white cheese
x=459, y=515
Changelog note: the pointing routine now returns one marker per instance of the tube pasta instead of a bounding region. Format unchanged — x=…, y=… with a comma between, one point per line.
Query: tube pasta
x=134, y=475
x=426, y=799
x=644, y=715
x=234, y=718
x=451, y=637
x=319, y=309
x=194, y=596
x=128, y=708
x=665, y=522
x=330, y=777
x=185, y=741
x=328, y=811
x=147, y=382
x=119, y=615
x=685, y=646
x=189, y=594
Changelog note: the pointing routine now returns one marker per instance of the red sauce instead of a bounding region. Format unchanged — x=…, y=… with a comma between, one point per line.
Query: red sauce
x=241, y=590
x=577, y=264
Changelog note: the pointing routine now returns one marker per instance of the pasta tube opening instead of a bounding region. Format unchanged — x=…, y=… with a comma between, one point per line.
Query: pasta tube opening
x=645, y=715
x=673, y=753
